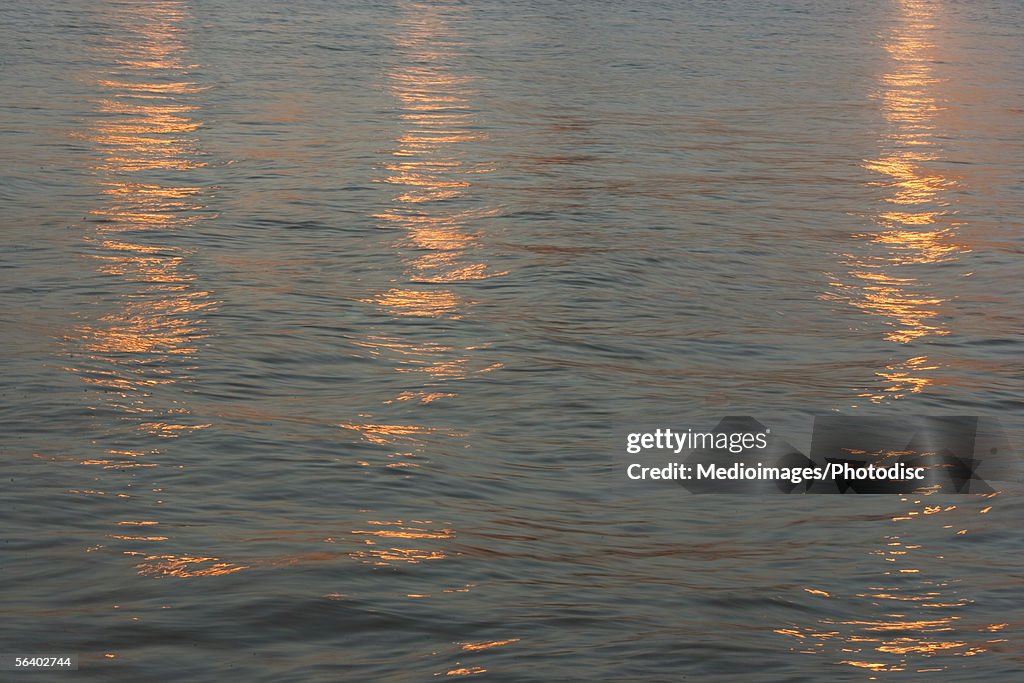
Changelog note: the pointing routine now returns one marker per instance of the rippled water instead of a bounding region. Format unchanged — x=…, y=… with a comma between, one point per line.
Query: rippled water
x=317, y=317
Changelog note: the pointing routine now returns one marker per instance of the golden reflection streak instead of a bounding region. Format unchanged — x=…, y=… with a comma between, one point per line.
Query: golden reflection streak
x=486, y=645
x=428, y=167
x=144, y=135
x=144, y=131
x=466, y=671
x=183, y=566
x=919, y=226
x=430, y=173
x=916, y=227
x=919, y=620
x=393, y=532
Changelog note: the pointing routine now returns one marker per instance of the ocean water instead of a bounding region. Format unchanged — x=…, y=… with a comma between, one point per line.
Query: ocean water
x=317, y=318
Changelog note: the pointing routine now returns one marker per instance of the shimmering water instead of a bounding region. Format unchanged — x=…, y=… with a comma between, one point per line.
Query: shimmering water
x=317, y=317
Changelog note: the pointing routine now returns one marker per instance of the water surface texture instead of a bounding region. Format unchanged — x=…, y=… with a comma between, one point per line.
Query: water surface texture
x=317, y=317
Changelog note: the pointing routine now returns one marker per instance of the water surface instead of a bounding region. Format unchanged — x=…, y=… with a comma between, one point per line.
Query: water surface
x=317, y=318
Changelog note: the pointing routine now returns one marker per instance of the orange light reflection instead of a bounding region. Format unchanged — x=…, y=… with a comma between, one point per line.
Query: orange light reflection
x=919, y=225
x=144, y=135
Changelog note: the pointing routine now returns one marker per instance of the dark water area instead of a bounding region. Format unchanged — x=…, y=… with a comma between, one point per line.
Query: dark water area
x=317, y=318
